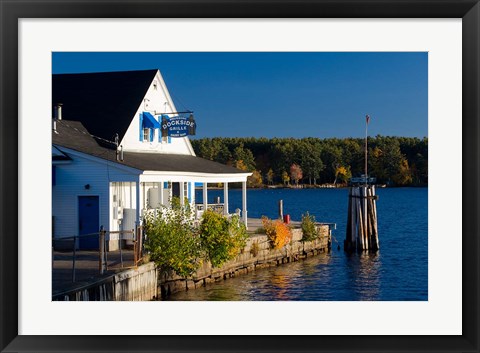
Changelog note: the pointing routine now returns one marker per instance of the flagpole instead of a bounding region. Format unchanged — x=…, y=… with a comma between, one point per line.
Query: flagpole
x=366, y=142
x=365, y=203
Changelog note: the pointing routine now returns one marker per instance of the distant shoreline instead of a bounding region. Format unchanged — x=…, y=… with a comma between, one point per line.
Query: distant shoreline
x=302, y=186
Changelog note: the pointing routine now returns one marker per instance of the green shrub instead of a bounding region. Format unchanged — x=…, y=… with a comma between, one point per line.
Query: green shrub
x=221, y=239
x=309, y=229
x=260, y=230
x=172, y=240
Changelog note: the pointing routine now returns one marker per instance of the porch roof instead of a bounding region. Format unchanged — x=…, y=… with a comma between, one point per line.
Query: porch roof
x=177, y=163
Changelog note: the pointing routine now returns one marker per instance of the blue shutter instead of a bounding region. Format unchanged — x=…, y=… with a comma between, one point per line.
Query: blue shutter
x=152, y=134
x=141, y=126
x=165, y=185
x=160, y=130
x=189, y=193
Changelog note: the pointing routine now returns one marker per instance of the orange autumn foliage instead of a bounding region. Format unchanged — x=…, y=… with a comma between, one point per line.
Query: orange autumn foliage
x=278, y=233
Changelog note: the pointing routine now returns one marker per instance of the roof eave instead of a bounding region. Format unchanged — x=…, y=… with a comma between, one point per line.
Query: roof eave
x=179, y=176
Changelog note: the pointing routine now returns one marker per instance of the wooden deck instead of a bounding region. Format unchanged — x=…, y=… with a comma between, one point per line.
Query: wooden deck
x=86, y=268
x=255, y=223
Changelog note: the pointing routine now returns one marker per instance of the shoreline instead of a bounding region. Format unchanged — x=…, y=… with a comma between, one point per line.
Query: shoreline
x=306, y=186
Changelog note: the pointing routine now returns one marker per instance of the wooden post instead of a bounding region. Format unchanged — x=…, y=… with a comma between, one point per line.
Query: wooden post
x=135, y=244
x=373, y=213
x=140, y=242
x=120, y=234
x=280, y=209
x=101, y=250
x=105, y=252
x=360, y=224
x=74, y=258
x=366, y=233
x=348, y=236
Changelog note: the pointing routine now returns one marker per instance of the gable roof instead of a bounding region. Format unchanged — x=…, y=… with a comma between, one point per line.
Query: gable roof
x=103, y=102
x=73, y=135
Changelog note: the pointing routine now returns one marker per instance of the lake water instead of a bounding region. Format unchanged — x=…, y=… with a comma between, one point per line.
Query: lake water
x=399, y=271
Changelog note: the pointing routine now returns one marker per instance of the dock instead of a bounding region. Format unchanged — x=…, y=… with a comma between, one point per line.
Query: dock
x=123, y=281
x=86, y=268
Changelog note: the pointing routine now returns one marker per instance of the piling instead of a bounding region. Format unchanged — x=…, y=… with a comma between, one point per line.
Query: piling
x=101, y=251
x=362, y=230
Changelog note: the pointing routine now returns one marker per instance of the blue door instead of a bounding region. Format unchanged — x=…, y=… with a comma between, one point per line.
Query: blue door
x=88, y=221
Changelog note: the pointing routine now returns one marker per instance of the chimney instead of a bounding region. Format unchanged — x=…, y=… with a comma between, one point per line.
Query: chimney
x=57, y=112
x=57, y=115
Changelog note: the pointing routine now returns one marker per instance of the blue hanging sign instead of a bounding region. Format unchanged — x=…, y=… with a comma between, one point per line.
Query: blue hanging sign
x=178, y=126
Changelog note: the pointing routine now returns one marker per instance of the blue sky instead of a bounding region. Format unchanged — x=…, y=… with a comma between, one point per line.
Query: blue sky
x=284, y=94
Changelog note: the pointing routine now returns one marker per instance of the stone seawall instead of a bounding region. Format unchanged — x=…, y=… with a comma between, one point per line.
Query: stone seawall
x=257, y=254
x=146, y=283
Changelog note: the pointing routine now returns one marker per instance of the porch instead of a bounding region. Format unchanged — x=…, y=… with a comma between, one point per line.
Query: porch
x=131, y=201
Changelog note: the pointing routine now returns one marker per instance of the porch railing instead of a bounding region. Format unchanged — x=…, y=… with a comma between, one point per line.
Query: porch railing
x=215, y=207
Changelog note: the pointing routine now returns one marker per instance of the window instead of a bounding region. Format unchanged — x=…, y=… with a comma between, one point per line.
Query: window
x=146, y=134
x=148, y=125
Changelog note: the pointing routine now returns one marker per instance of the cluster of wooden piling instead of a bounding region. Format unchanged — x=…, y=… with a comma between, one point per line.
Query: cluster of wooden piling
x=362, y=230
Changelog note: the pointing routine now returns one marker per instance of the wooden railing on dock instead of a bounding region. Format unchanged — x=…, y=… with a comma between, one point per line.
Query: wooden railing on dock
x=97, y=261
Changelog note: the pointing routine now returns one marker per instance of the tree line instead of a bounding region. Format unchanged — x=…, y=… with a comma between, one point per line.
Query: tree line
x=400, y=161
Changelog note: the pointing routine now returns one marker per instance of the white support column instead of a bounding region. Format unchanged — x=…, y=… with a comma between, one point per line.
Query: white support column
x=137, y=201
x=225, y=198
x=161, y=193
x=244, y=203
x=205, y=196
x=192, y=193
x=182, y=193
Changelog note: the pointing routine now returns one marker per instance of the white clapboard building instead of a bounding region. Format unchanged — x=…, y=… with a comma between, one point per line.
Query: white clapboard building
x=120, y=149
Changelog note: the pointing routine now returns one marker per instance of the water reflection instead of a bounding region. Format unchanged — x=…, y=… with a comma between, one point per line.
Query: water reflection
x=364, y=275
x=398, y=272
x=294, y=281
x=314, y=279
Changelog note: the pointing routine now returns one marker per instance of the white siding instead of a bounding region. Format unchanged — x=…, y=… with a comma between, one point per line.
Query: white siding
x=70, y=183
x=123, y=196
x=156, y=101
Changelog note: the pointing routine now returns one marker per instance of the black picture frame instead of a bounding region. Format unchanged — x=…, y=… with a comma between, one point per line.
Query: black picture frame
x=12, y=11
